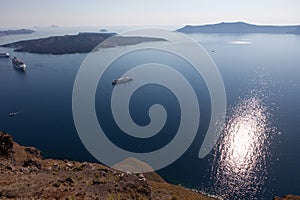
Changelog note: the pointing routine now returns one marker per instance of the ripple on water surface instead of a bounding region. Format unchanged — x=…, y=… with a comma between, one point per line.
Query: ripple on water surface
x=240, y=161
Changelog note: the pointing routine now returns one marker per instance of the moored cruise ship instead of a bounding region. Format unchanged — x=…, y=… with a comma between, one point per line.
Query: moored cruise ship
x=18, y=63
x=121, y=80
x=4, y=55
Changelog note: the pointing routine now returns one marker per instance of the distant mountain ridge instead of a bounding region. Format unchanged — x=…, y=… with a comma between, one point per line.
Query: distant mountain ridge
x=239, y=27
x=16, y=32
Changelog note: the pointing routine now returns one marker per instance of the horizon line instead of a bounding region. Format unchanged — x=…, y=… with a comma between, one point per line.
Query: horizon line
x=151, y=25
x=146, y=25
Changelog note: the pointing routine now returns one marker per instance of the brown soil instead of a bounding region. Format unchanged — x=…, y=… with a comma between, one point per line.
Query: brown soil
x=25, y=175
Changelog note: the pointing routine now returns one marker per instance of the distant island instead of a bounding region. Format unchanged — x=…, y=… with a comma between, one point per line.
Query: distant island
x=54, y=26
x=16, y=32
x=239, y=27
x=24, y=167
x=80, y=43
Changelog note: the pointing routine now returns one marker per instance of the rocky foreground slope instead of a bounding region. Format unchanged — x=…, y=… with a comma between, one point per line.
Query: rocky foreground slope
x=25, y=175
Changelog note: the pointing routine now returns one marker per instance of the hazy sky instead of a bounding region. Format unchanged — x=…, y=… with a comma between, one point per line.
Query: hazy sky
x=28, y=13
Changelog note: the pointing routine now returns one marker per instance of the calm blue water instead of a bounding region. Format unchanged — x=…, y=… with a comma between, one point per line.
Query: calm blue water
x=257, y=156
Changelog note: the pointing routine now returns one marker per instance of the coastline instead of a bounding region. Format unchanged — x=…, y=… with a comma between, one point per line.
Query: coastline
x=216, y=53
x=25, y=174
x=80, y=43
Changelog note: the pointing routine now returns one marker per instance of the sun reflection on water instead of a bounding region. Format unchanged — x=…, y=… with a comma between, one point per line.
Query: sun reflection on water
x=240, y=158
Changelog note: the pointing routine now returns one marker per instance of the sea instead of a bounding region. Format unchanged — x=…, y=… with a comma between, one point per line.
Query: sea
x=257, y=155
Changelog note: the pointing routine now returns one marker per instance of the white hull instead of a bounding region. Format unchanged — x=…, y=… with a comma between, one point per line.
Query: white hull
x=4, y=55
x=22, y=67
x=18, y=64
x=122, y=80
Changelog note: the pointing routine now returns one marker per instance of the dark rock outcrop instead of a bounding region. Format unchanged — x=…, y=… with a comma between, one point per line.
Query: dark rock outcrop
x=6, y=145
x=32, y=163
x=33, y=151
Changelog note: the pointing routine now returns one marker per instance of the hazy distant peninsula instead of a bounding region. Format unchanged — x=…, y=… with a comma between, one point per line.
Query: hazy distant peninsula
x=80, y=43
x=240, y=27
x=16, y=32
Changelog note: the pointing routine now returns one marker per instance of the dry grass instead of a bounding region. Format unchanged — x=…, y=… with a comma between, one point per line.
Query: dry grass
x=164, y=191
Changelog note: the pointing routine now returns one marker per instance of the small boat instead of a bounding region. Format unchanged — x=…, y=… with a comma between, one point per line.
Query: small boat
x=12, y=114
x=122, y=80
x=18, y=63
x=4, y=55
